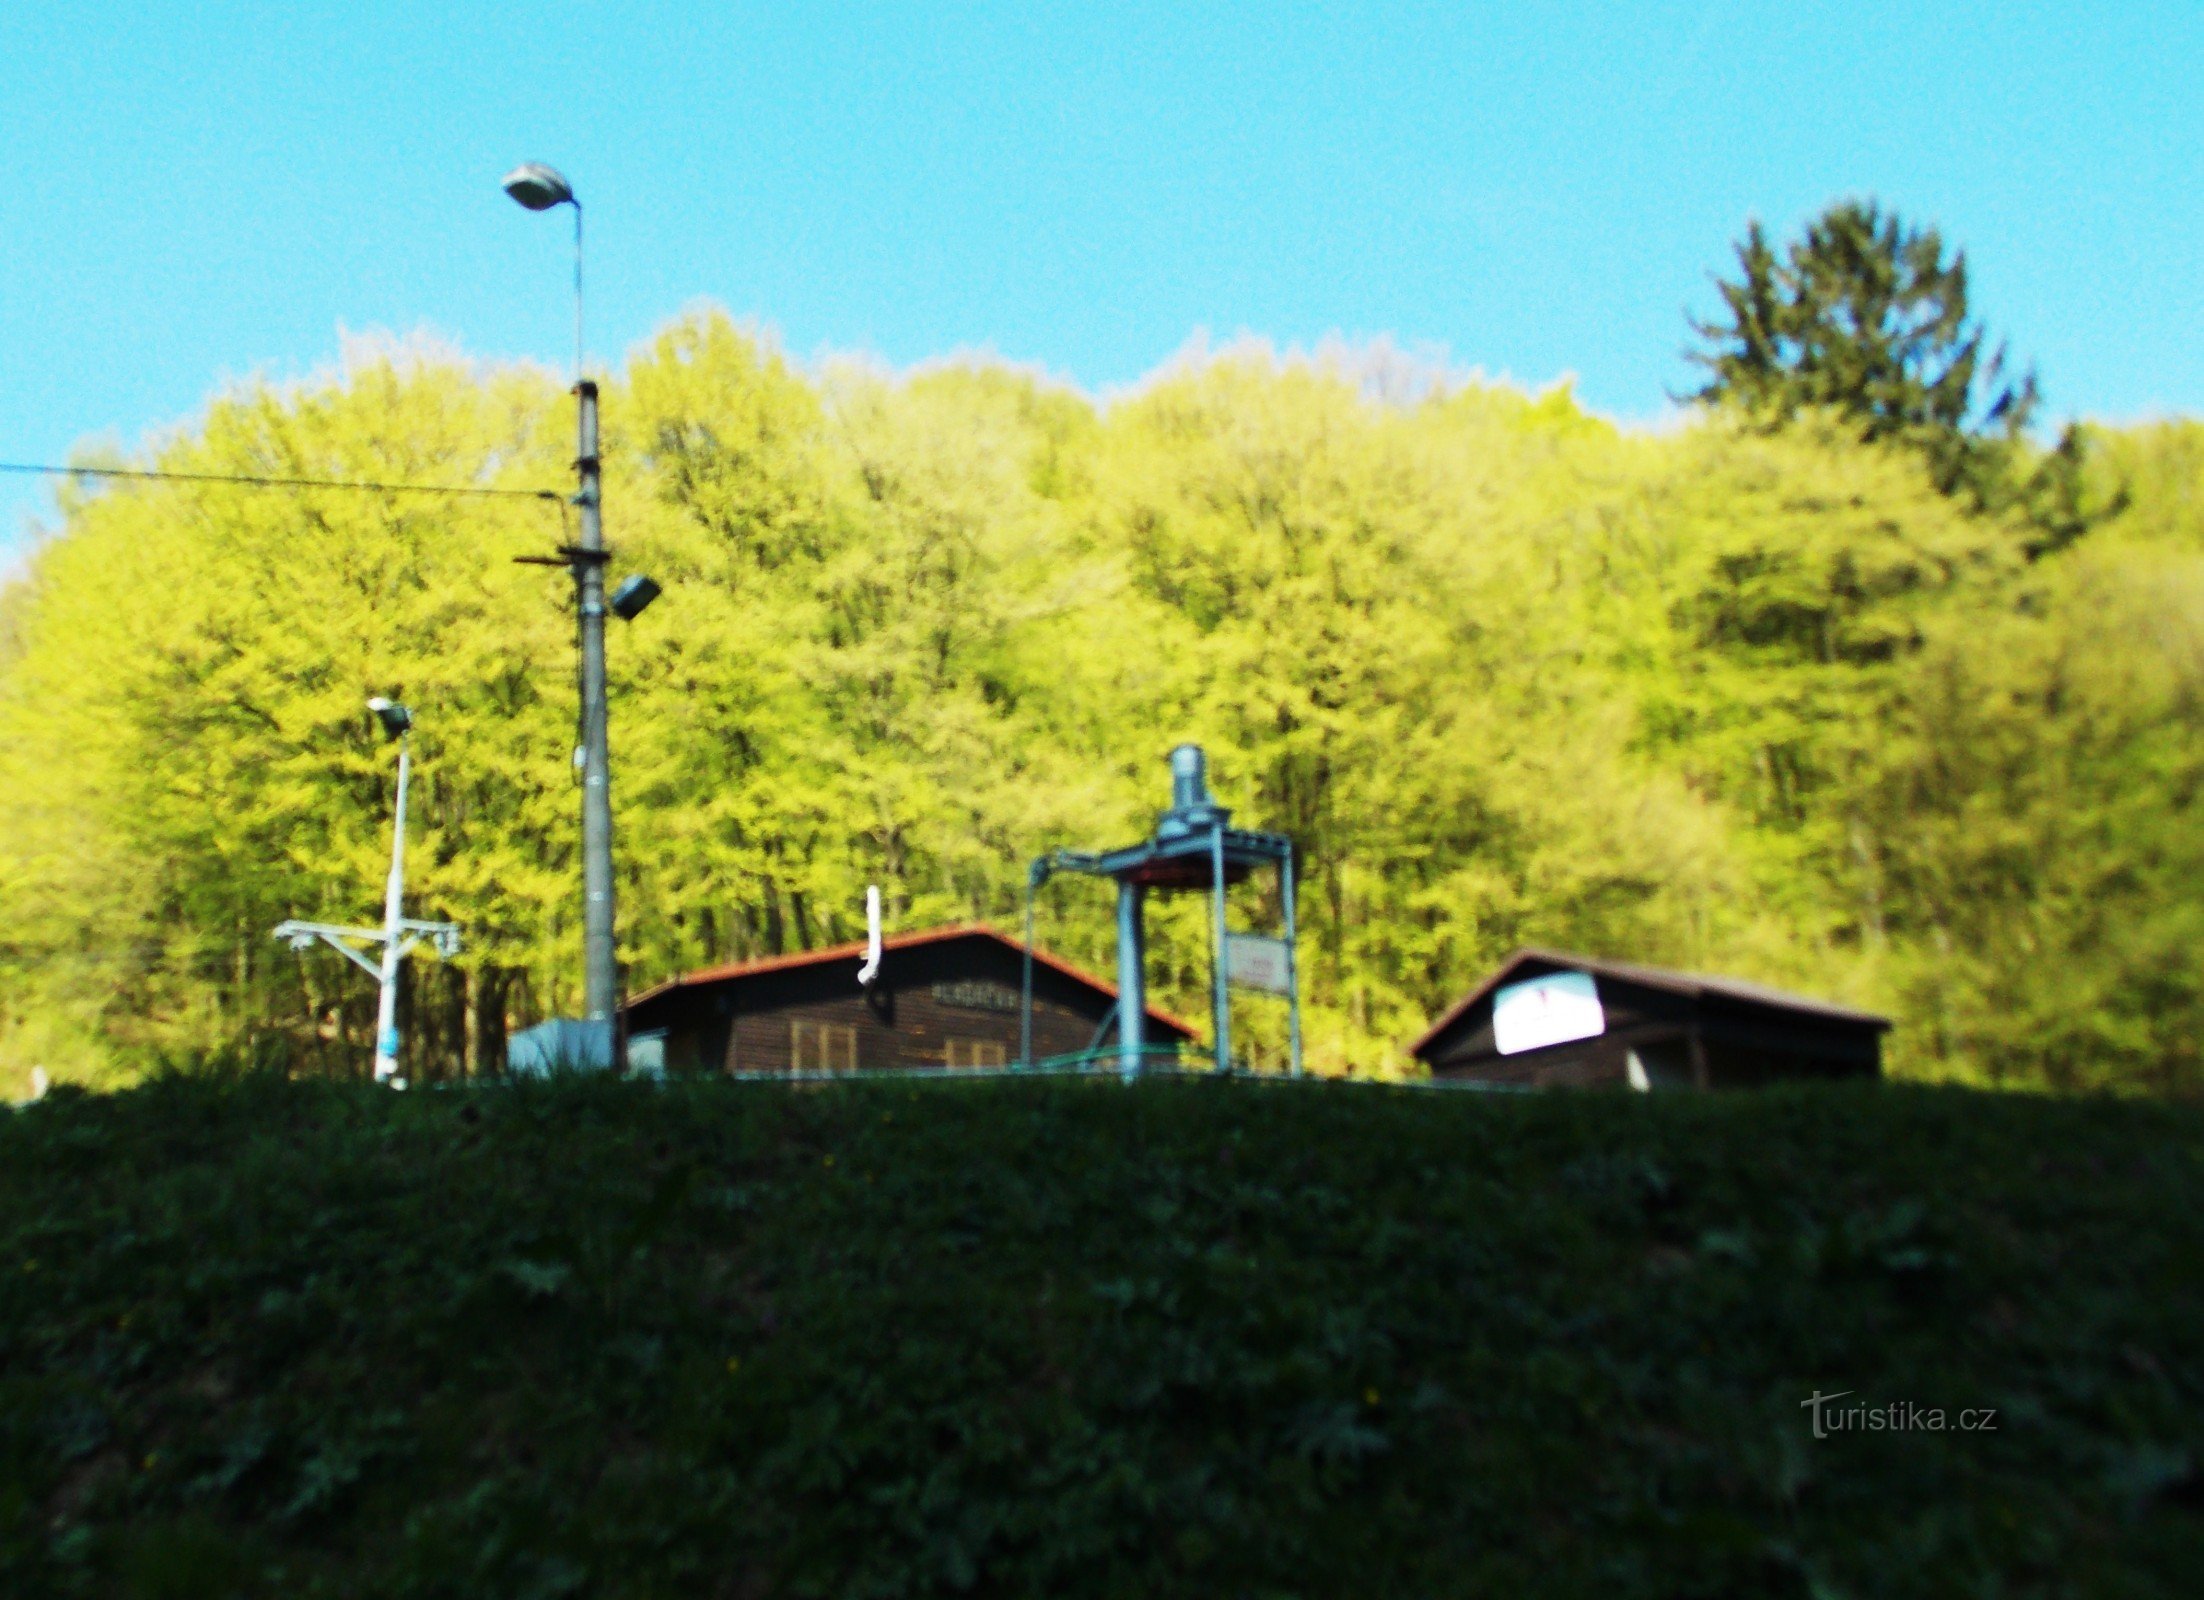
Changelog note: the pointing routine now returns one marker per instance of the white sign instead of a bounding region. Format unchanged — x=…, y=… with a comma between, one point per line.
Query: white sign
x=1551, y=1010
x=1254, y=962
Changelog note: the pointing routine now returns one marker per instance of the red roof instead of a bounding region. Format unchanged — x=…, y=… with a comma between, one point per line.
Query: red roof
x=1691, y=985
x=855, y=950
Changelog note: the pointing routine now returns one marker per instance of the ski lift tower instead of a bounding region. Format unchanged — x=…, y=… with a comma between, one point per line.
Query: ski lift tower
x=1194, y=848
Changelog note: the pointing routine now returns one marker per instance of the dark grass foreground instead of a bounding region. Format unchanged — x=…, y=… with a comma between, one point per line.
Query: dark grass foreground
x=1068, y=1339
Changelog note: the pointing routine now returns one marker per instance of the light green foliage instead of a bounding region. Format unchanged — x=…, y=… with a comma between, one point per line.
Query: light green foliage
x=184, y=721
x=1761, y=702
x=2038, y=800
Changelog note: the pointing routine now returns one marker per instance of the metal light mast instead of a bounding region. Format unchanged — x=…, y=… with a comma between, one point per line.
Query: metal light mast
x=394, y=901
x=398, y=934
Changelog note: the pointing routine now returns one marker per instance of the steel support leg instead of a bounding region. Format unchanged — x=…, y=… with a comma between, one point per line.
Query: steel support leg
x=1132, y=999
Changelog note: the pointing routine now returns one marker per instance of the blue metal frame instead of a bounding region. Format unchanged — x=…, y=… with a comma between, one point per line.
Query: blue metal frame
x=1192, y=848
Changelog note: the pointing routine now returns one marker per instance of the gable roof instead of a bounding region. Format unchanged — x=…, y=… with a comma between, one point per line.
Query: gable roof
x=855, y=950
x=1691, y=985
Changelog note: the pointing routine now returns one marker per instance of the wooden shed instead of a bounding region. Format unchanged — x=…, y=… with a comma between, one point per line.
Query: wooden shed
x=1547, y=1018
x=944, y=997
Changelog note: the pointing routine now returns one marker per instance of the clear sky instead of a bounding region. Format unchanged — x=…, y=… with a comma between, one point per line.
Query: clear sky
x=193, y=193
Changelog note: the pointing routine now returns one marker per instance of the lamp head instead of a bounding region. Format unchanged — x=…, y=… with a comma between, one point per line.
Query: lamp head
x=632, y=596
x=395, y=718
x=538, y=187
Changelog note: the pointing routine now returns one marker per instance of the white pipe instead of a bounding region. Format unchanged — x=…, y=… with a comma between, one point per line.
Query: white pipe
x=386, y=1005
x=871, y=969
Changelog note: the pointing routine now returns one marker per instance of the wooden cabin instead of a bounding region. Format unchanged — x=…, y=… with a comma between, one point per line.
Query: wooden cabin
x=944, y=997
x=1547, y=1018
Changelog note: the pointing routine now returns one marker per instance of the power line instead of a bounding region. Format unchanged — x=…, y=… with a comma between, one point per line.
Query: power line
x=280, y=483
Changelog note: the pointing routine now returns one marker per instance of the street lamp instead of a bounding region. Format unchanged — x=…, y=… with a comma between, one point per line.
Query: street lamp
x=398, y=934
x=540, y=188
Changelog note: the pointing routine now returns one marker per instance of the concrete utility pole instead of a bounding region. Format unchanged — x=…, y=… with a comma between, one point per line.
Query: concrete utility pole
x=540, y=188
x=600, y=961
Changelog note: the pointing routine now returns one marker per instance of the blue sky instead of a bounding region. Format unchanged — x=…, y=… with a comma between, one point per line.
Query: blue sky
x=190, y=194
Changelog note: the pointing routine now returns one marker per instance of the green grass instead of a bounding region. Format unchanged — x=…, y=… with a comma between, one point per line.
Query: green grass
x=1072, y=1339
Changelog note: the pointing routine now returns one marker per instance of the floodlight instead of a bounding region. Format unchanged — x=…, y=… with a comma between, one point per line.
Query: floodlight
x=538, y=187
x=630, y=599
x=395, y=718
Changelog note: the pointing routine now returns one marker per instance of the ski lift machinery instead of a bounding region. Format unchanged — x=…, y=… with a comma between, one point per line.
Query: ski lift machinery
x=1193, y=848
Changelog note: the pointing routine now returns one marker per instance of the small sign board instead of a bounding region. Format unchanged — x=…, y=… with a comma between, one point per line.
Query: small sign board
x=1554, y=1009
x=1255, y=962
x=977, y=996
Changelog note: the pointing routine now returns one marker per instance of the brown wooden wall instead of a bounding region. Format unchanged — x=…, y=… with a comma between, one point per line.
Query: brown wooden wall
x=926, y=998
x=898, y=1028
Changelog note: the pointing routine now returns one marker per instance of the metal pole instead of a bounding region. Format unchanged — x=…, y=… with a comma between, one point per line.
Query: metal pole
x=1217, y=962
x=600, y=969
x=1293, y=962
x=577, y=291
x=1025, y=1009
x=1132, y=1004
x=386, y=1003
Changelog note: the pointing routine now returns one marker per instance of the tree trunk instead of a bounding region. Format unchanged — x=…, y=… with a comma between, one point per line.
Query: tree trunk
x=470, y=1044
x=487, y=1022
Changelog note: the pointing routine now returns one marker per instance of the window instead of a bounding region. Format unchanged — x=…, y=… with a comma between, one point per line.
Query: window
x=976, y=1053
x=821, y=1046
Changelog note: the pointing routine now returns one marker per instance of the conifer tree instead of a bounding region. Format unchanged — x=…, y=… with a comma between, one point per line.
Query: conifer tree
x=1867, y=315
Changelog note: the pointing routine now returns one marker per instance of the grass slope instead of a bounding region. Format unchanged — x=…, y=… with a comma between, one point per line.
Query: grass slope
x=1070, y=1339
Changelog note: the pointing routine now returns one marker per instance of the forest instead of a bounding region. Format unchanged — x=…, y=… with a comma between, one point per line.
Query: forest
x=1774, y=696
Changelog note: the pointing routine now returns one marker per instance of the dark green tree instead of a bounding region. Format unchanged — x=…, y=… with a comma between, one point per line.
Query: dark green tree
x=1867, y=315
